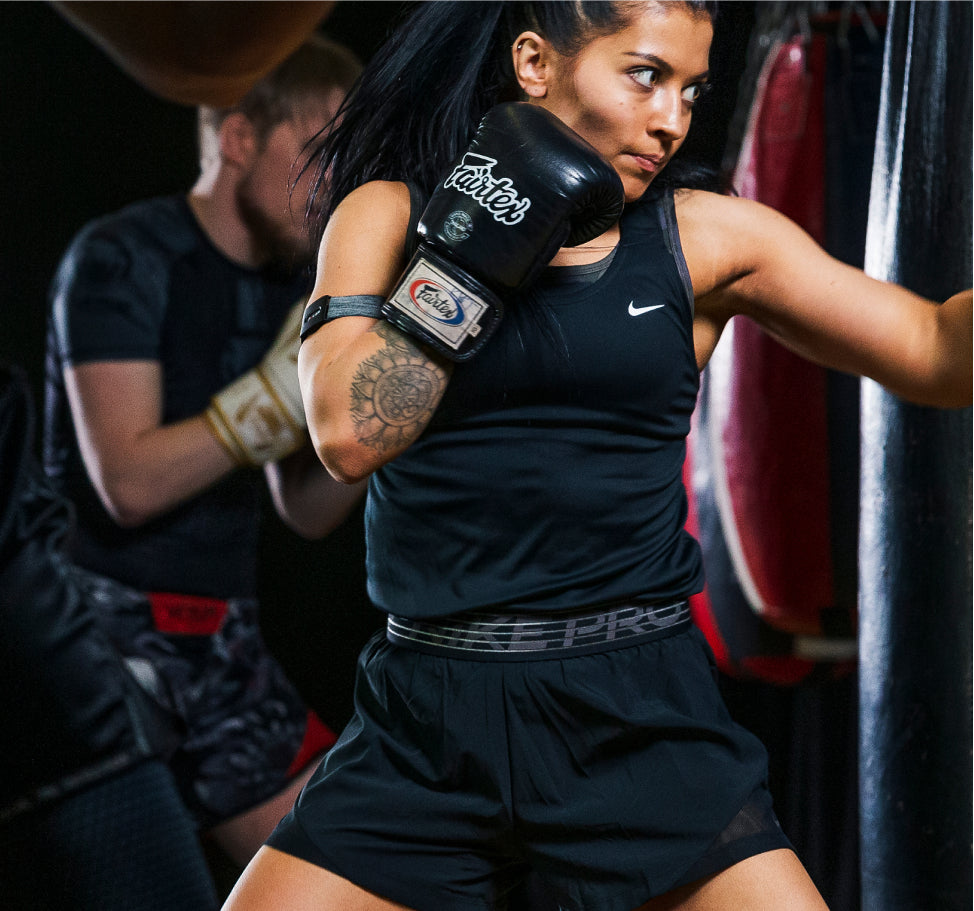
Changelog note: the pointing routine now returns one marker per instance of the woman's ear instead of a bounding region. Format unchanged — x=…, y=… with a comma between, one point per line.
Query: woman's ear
x=238, y=140
x=530, y=53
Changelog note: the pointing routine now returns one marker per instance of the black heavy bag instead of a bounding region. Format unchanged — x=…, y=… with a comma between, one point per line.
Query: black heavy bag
x=915, y=543
x=70, y=711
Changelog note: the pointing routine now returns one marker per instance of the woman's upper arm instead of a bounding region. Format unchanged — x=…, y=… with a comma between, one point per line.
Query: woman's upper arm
x=762, y=265
x=362, y=251
x=344, y=364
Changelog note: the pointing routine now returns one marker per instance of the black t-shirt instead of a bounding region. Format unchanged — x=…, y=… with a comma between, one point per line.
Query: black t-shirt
x=147, y=284
x=550, y=476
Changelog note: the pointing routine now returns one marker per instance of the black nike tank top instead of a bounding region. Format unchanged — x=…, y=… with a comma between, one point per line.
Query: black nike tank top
x=551, y=474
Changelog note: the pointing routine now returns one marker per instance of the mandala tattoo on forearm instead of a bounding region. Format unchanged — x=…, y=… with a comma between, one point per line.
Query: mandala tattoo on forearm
x=394, y=392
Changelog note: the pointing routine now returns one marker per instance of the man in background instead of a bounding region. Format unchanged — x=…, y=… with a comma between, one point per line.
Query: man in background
x=171, y=399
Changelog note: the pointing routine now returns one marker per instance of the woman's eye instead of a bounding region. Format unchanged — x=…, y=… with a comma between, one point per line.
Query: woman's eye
x=647, y=77
x=692, y=93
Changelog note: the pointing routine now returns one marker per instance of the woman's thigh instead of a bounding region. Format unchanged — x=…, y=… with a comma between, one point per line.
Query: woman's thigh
x=773, y=881
x=242, y=835
x=275, y=880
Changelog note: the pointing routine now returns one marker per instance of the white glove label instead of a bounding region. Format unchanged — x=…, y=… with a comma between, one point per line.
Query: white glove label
x=435, y=301
x=497, y=195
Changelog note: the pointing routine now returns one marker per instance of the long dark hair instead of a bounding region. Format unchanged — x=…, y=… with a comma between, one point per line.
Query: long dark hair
x=420, y=98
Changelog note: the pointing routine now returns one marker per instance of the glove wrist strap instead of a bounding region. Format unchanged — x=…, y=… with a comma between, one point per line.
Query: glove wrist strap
x=443, y=306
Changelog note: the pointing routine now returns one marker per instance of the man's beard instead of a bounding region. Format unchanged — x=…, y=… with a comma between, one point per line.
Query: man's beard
x=276, y=247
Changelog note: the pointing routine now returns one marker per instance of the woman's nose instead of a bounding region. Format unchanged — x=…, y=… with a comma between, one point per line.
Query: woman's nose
x=669, y=115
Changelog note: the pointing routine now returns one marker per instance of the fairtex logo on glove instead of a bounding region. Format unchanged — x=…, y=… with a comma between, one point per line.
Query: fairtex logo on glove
x=497, y=195
x=436, y=301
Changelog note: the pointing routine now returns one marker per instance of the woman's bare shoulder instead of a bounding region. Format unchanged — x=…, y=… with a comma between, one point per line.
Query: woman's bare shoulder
x=700, y=208
x=376, y=201
x=724, y=237
x=364, y=243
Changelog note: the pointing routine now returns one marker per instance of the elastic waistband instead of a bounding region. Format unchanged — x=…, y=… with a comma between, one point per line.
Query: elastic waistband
x=519, y=637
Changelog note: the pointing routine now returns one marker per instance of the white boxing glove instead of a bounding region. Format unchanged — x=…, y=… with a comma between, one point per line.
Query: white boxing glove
x=259, y=417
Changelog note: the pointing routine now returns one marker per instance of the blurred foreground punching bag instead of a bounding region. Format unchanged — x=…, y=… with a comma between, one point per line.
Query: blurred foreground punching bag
x=915, y=543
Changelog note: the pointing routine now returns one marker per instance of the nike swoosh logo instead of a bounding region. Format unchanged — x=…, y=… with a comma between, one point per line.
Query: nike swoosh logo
x=638, y=311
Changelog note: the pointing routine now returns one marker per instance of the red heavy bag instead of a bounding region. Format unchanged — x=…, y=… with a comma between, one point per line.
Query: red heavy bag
x=758, y=459
x=745, y=645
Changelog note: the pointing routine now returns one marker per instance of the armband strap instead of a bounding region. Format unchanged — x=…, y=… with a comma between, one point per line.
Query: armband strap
x=327, y=308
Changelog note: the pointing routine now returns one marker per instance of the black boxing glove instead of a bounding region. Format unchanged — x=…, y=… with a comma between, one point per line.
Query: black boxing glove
x=526, y=186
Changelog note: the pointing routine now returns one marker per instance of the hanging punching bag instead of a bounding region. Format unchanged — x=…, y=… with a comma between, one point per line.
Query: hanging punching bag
x=915, y=542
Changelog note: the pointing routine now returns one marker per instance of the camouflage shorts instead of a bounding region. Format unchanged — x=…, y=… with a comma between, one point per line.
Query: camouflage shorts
x=242, y=730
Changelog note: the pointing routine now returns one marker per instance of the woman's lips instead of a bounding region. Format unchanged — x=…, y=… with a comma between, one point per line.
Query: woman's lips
x=649, y=163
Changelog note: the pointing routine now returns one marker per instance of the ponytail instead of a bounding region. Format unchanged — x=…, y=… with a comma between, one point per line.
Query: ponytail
x=417, y=103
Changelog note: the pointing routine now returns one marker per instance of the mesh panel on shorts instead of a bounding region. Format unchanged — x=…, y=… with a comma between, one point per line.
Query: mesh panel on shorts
x=755, y=818
x=755, y=822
